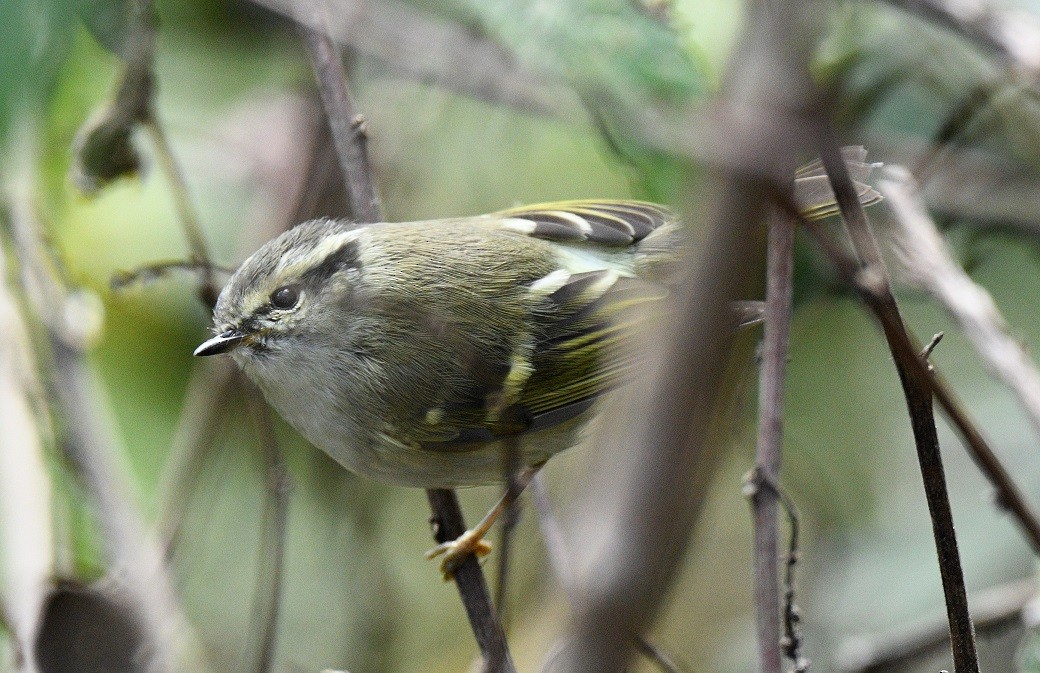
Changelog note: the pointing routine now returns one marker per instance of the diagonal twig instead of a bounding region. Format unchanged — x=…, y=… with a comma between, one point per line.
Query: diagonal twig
x=349, y=131
x=870, y=279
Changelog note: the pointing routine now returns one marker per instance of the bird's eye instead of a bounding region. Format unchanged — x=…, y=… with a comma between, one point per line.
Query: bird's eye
x=285, y=297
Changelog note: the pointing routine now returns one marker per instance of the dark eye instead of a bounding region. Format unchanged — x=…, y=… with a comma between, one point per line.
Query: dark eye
x=285, y=297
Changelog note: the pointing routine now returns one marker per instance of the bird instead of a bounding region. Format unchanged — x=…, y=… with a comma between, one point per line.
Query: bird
x=419, y=353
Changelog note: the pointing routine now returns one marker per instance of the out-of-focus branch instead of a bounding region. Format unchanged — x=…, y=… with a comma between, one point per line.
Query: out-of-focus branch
x=26, y=526
x=1003, y=195
x=348, y=127
x=1011, y=33
x=672, y=440
x=775, y=346
x=91, y=446
x=426, y=48
x=870, y=278
x=298, y=182
x=994, y=609
x=674, y=446
x=926, y=263
x=429, y=49
x=560, y=559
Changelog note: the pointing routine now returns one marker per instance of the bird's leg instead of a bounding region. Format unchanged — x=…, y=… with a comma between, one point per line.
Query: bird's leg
x=472, y=541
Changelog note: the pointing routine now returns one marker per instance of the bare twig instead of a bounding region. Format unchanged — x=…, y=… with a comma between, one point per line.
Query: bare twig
x=871, y=281
x=349, y=131
x=791, y=643
x=926, y=263
x=157, y=270
x=448, y=525
x=1008, y=495
x=775, y=347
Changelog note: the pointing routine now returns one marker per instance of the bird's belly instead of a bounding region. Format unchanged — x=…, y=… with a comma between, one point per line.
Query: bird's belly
x=383, y=458
x=326, y=422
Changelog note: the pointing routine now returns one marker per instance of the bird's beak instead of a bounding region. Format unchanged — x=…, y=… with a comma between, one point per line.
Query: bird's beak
x=226, y=341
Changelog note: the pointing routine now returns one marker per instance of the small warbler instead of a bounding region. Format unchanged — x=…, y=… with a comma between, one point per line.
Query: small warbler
x=416, y=353
x=409, y=351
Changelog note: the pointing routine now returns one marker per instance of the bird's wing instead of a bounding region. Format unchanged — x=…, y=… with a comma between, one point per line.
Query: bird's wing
x=582, y=323
x=614, y=223
x=581, y=346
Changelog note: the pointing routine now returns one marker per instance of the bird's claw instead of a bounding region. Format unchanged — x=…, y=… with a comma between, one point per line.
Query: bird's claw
x=458, y=550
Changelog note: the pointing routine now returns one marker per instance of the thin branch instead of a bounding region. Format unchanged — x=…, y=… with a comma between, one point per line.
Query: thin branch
x=775, y=348
x=791, y=643
x=158, y=270
x=871, y=282
x=269, y=578
x=349, y=130
x=1008, y=494
x=926, y=263
x=446, y=518
x=448, y=525
x=191, y=226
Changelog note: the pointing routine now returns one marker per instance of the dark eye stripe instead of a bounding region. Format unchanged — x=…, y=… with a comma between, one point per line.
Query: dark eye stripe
x=346, y=256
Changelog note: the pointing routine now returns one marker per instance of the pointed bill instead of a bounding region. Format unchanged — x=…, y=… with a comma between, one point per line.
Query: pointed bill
x=222, y=343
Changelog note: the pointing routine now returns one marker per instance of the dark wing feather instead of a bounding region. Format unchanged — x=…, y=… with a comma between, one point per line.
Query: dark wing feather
x=604, y=222
x=581, y=348
x=580, y=345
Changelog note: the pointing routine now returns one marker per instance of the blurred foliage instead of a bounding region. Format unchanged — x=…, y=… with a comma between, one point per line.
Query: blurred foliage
x=358, y=594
